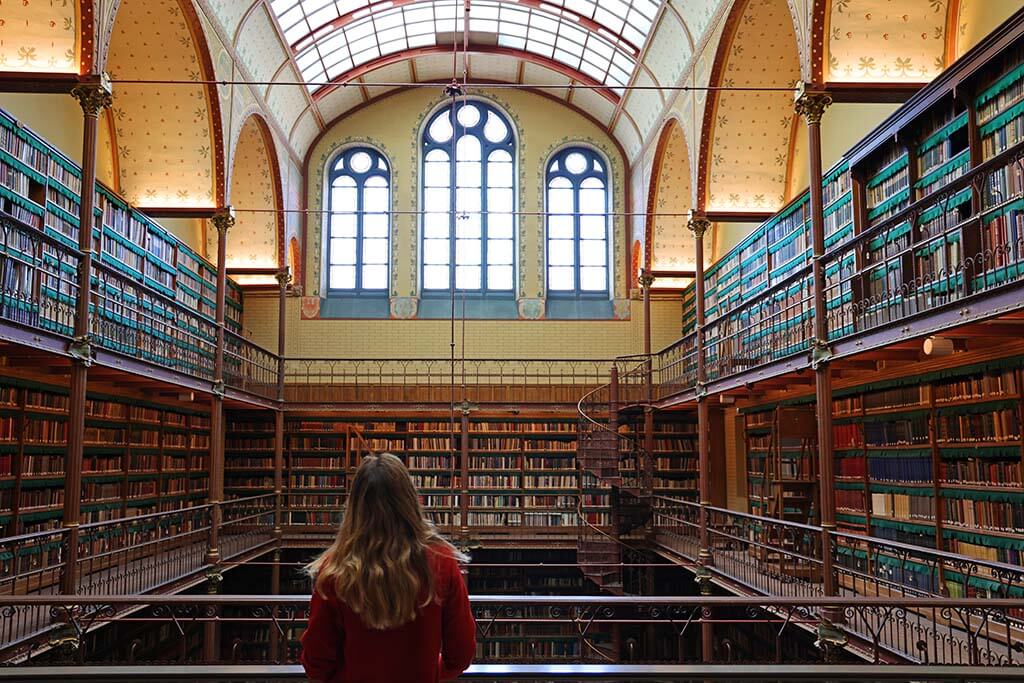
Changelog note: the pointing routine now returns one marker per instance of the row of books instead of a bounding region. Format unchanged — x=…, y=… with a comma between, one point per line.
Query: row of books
x=977, y=386
x=895, y=398
x=20, y=149
x=847, y=436
x=1003, y=137
x=899, y=432
x=528, y=519
x=982, y=472
x=903, y=506
x=847, y=500
x=999, y=425
x=999, y=516
x=315, y=481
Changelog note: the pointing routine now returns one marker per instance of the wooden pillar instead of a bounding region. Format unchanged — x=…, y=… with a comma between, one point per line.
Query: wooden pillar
x=223, y=220
x=283, y=278
x=699, y=226
x=646, y=280
x=93, y=97
x=811, y=105
x=464, y=474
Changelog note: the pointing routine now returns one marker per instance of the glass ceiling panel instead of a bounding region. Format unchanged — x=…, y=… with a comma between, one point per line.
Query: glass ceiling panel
x=330, y=37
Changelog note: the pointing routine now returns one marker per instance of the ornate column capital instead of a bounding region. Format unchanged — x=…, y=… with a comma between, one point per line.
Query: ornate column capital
x=645, y=279
x=811, y=104
x=224, y=220
x=698, y=224
x=283, y=277
x=94, y=96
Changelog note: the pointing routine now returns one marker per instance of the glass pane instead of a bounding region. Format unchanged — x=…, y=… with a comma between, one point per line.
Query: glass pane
x=343, y=251
x=499, y=200
x=375, y=251
x=593, y=279
x=375, y=277
x=467, y=200
x=560, y=227
x=499, y=252
x=576, y=163
x=495, y=130
x=499, y=277
x=499, y=173
x=469, y=115
x=561, y=279
x=561, y=252
x=467, y=174
x=467, y=277
x=375, y=225
x=435, y=251
x=437, y=199
x=436, y=225
x=592, y=201
x=467, y=252
x=360, y=162
x=593, y=252
x=467, y=148
x=343, y=198
x=435, y=277
x=499, y=225
x=593, y=227
x=375, y=198
x=441, y=128
x=436, y=171
x=592, y=184
x=343, y=277
x=468, y=225
x=343, y=225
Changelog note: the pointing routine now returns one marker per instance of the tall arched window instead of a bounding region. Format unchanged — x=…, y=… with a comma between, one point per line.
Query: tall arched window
x=469, y=215
x=577, y=222
x=359, y=223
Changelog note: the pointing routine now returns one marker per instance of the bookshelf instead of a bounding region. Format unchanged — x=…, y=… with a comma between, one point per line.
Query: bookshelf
x=934, y=460
x=675, y=457
x=248, y=453
x=41, y=188
x=139, y=457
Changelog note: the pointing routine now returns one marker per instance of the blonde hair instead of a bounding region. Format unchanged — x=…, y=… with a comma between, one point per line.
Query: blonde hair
x=378, y=563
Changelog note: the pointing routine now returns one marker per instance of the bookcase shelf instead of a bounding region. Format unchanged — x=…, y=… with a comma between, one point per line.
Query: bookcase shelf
x=139, y=457
x=901, y=475
x=42, y=188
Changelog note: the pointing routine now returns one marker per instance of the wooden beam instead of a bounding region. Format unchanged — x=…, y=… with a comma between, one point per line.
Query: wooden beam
x=178, y=211
x=44, y=83
x=872, y=93
x=757, y=217
x=985, y=330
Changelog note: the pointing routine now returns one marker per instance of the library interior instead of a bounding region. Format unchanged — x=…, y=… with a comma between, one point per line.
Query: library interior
x=697, y=324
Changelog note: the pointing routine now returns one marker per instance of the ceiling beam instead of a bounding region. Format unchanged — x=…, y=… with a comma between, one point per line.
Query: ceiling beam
x=872, y=93
x=36, y=82
x=204, y=212
x=738, y=216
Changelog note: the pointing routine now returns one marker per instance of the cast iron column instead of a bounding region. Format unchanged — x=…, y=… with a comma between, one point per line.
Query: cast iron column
x=283, y=278
x=646, y=281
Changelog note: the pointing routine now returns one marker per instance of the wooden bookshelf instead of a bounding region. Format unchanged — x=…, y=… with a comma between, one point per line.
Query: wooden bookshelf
x=41, y=188
x=139, y=457
x=933, y=460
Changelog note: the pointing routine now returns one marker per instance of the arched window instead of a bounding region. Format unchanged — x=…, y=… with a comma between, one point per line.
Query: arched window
x=577, y=222
x=469, y=214
x=359, y=226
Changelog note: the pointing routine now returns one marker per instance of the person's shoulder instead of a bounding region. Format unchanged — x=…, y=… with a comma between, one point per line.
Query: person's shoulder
x=442, y=554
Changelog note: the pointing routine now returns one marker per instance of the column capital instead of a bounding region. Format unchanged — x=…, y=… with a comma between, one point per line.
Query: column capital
x=283, y=277
x=811, y=104
x=698, y=224
x=224, y=219
x=94, y=95
x=645, y=279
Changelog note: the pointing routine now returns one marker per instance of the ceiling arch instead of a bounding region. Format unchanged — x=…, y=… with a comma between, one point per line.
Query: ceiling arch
x=668, y=243
x=42, y=37
x=257, y=238
x=746, y=133
x=168, y=137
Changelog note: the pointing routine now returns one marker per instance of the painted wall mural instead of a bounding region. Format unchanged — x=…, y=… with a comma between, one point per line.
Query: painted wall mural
x=165, y=135
x=886, y=40
x=39, y=35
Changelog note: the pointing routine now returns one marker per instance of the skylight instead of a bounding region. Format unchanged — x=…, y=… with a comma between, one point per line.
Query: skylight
x=601, y=40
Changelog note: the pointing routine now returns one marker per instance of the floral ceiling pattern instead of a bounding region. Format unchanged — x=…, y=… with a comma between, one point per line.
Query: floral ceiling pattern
x=39, y=35
x=672, y=245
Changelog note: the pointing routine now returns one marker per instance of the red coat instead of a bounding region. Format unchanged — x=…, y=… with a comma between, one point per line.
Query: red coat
x=438, y=645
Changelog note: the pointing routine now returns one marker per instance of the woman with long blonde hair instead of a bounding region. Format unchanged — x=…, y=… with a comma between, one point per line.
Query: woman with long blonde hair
x=389, y=603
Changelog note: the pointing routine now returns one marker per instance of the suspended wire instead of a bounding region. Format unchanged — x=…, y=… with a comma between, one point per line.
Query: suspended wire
x=421, y=212
x=489, y=85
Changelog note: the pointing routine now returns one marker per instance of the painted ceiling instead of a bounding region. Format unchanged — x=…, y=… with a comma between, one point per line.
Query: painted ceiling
x=672, y=244
x=39, y=35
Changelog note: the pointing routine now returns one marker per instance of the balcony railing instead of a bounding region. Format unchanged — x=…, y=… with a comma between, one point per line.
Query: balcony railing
x=546, y=629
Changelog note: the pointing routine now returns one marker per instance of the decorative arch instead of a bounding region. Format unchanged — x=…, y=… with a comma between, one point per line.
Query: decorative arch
x=257, y=239
x=667, y=242
x=741, y=166
x=169, y=137
x=972, y=20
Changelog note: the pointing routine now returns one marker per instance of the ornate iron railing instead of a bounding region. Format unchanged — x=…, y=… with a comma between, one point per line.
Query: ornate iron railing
x=38, y=279
x=438, y=380
x=248, y=367
x=571, y=629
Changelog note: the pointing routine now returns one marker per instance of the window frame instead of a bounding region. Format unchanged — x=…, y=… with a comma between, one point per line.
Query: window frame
x=592, y=155
x=338, y=168
x=510, y=145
